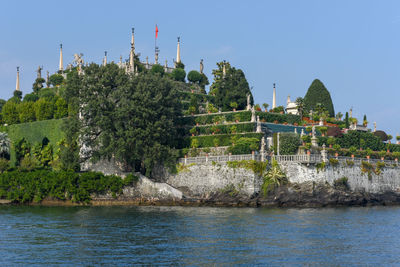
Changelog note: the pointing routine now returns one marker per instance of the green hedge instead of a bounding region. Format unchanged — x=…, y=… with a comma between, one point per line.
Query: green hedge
x=280, y=118
x=225, y=129
x=22, y=187
x=289, y=143
x=34, y=132
x=243, y=116
x=223, y=139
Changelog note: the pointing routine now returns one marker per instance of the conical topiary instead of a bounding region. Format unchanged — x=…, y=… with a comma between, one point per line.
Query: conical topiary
x=317, y=93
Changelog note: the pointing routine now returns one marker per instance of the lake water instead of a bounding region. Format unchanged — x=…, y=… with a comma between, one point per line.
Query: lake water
x=74, y=236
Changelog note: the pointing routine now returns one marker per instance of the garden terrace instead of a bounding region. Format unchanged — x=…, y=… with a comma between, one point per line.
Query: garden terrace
x=229, y=128
x=241, y=116
x=218, y=140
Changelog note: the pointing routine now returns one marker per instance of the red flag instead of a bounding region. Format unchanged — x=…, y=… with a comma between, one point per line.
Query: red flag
x=156, y=31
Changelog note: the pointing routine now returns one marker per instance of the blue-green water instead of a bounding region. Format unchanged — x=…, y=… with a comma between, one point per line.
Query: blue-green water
x=74, y=236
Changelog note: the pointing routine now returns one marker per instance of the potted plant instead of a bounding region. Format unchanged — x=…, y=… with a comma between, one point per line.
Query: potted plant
x=368, y=151
x=382, y=154
x=265, y=106
x=237, y=118
x=396, y=156
x=337, y=148
x=193, y=131
x=323, y=130
x=234, y=105
x=331, y=141
x=233, y=129
x=352, y=151
x=398, y=139
x=309, y=130
x=257, y=107
x=390, y=137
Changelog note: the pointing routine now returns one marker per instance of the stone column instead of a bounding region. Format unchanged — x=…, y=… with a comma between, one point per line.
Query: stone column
x=17, y=83
x=60, y=66
x=274, y=98
x=178, y=51
x=248, y=107
x=253, y=114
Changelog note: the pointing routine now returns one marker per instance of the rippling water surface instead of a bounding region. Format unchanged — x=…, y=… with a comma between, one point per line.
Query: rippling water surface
x=198, y=236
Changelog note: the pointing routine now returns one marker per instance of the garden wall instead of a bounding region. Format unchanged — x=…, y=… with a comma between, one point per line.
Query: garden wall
x=201, y=180
x=387, y=181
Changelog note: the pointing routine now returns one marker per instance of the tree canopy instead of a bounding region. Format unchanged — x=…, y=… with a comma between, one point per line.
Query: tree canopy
x=318, y=94
x=231, y=87
x=129, y=118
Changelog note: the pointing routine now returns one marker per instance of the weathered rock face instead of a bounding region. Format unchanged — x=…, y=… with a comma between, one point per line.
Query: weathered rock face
x=144, y=191
x=221, y=185
x=387, y=181
x=202, y=180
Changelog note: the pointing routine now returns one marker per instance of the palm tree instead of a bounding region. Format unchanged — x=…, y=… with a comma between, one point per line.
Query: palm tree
x=339, y=116
x=275, y=176
x=300, y=106
x=4, y=145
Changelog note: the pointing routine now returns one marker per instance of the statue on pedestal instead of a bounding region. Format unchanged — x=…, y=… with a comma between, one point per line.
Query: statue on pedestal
x=253, y=114
x=201, y=66
x=248, y=107
x=39, y=72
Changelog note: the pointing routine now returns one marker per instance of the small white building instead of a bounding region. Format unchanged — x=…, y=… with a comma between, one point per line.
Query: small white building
x=291, y=107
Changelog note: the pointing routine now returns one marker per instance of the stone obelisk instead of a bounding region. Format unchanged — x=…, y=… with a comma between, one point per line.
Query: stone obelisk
x=274, y=98
x=178, y=51
x=61, y=68
x=17, y=85
x=132, y=53
x=105, y=58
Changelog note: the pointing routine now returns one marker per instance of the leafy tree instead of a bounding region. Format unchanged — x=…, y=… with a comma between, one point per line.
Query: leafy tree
x=22, y=149
x=56, y=79
x=38, y=84
x=178, y=74
x=180, y=65
x=47, y=93
x=44, y=109
x=2, y=102
x=346, y=121
x=157, y=68
x=69, y=147
x=31, y=97
x=317, y=93
x=194, y=76
x=203, y=82
x=129, y=118
x=61, y=108
x=233, y=87
x=26, y=111
x=9, y=112
x=17, y=96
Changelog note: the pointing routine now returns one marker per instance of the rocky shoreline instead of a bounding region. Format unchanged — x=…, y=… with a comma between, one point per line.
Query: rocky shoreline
x=305, y=195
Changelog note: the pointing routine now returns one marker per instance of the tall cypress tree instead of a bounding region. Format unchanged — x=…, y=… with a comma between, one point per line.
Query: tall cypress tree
x=318, y=94
x=346, y=120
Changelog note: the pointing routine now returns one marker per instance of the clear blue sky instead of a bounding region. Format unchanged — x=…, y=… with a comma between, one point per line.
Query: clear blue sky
x=351, y=46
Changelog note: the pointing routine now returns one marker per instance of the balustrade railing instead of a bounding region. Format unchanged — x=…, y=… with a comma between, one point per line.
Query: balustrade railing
x=283, y=158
